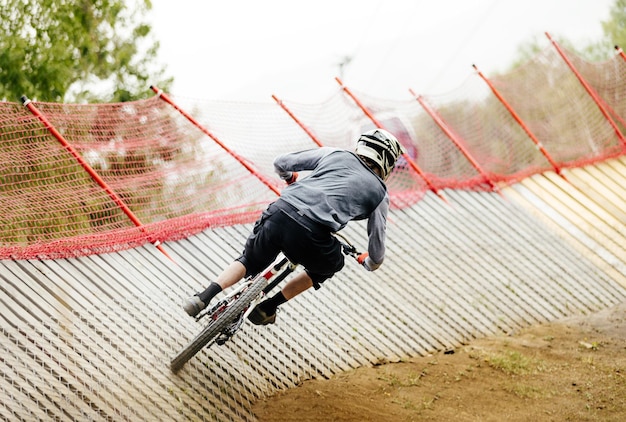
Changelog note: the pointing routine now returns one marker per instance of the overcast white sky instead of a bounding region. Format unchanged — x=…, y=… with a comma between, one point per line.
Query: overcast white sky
x=247, y=50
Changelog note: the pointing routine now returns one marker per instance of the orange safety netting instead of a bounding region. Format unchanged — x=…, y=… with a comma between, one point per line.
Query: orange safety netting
x=160, y=175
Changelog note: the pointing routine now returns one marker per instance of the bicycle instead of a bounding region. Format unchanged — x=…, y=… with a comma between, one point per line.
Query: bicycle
x=228, y=315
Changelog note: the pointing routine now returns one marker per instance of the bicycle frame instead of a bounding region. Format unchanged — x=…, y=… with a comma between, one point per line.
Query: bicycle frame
x=267, y=275
x=227, y=316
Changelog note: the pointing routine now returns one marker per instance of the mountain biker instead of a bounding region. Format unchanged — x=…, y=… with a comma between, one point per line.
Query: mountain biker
x=342, y=186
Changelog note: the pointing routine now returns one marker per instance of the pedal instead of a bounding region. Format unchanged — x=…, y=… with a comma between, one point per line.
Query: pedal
x=222, y=339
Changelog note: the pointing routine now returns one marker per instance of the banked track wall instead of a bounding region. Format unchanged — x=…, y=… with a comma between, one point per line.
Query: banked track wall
x=91, y=338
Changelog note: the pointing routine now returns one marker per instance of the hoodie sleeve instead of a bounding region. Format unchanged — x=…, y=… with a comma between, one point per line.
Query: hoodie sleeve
x=376, y=232
x=286, y=164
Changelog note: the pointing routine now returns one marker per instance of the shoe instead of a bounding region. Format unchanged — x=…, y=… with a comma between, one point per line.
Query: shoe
x=193, y=305
x=259, y=317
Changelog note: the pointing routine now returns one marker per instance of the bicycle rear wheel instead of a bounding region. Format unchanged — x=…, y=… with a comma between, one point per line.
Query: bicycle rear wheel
x=236, y=307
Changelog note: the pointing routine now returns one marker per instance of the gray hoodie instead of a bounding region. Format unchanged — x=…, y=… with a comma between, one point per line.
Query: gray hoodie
x=339, y=189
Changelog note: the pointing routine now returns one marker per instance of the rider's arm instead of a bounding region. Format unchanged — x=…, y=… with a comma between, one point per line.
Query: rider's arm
x=376, y=228
x=286, y=164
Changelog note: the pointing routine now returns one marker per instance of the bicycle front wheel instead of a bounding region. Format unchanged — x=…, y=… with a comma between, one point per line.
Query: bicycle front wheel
x=235, y=308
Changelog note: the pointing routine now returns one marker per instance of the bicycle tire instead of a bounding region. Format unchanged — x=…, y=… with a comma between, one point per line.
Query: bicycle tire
x=215, y=327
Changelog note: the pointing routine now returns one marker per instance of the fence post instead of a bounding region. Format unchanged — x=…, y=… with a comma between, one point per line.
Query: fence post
x=308, y=132
x=94, y=175
x=455, y=139
x=594, y=95
x=519, y=121
x=232, y=153
x=620, y=53
x=380, y=126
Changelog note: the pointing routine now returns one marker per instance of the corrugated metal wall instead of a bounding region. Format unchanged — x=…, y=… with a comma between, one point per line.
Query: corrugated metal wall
x=91, y=338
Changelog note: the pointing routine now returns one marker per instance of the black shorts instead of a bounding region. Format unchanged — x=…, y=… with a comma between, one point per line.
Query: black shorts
x=302, y=240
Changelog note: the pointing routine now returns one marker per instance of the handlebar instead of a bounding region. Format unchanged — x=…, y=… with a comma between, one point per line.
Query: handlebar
x=348, y=248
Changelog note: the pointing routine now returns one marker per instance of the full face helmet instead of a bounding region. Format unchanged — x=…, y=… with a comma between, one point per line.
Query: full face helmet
x=381, y=148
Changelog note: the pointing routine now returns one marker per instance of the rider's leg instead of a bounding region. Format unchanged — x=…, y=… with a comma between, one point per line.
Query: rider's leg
x=265, y=312
x=294, y=287
x=231, y=275
x=301, y=282
x=260, y=250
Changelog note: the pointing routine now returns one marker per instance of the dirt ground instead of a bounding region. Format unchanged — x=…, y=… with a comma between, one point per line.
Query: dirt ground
x=570, y=370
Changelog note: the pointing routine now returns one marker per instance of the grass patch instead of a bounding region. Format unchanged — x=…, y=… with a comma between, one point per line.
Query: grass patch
x=514, y=363
x=526, y=391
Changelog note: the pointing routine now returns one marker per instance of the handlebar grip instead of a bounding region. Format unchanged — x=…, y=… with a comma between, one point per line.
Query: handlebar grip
x=293, y=178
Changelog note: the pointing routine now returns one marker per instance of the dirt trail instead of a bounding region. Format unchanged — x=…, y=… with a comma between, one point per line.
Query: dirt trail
x=570, y=370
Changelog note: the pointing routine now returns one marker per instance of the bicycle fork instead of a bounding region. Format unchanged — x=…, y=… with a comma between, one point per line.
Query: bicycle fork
x=231, y=329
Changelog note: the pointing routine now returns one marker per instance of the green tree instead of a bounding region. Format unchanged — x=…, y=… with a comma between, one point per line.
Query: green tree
x=597, y=50
x=77, y=50
x=615, y=28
